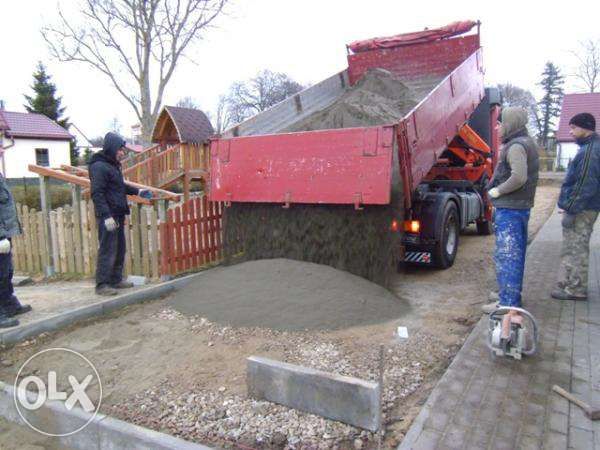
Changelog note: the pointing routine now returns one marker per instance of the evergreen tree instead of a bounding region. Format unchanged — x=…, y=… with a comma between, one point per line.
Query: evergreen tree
x=549, y=106
x=44, y=101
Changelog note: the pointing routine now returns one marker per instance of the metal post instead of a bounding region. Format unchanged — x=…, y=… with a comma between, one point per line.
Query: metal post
x=46, y=206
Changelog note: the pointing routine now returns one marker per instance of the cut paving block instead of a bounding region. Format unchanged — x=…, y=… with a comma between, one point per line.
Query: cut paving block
x=19, y=280
x=346, y=399
x=137, y=280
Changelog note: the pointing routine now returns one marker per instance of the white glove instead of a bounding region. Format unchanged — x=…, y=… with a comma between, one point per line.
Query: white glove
x=110, y=224
x=494, y=193
x=4, y=246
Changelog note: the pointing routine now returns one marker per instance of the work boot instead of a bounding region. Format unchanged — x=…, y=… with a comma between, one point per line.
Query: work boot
x=122, y=285
x=563, y=294
x=494, y=299
x=15, y=307
x=106, y=290
x=7, y=322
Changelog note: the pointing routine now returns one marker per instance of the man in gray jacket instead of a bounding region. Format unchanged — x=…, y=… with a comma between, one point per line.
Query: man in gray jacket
x=512, y=191
x=9, y=227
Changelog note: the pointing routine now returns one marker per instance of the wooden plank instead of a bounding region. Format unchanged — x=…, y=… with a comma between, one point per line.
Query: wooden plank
x=205, y=233
x=135, y=239
x=27, y=238
x=165, y=248
x=85, y=238
x=154, y=255
x=212, y=227
x=185, y=215
x=69, y=244
x=171, y=239
x=77, y=233
x=93, y=235
x=46, y=208
x=145, y=244
x=54, y=237
x=179, y=237
x=128, y=261
x=198, y=230
x=43, y=246
x=219, y=230
x=60, y=223
x=193, y=231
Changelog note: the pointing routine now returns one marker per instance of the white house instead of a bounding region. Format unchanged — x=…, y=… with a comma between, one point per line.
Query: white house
x=27, y=138
x=573, y=104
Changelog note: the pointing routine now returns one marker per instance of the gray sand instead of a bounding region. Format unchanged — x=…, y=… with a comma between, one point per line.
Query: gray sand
x=283, y=294
x=379, y=98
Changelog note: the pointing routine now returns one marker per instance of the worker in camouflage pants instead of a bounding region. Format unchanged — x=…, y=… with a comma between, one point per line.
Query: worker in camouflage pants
x=579, y=202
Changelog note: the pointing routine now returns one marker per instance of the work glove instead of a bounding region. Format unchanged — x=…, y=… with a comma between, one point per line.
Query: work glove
x=494, y=193
x=110, y=224
x=4, y=246
x=568, y=220
x=146, y=193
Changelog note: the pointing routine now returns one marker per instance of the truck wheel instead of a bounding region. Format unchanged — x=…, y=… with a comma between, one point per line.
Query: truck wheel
x=485, y=228
x=447, y=246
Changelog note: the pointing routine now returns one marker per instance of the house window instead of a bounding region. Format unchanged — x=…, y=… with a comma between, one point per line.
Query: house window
x=41, y=157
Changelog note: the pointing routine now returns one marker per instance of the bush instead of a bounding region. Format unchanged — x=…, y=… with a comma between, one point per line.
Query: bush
x=30, y=196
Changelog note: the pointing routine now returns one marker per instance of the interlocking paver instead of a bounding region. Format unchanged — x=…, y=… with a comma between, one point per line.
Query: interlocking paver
x=485, y=403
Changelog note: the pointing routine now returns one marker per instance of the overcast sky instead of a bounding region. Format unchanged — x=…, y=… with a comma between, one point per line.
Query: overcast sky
x=305, y=39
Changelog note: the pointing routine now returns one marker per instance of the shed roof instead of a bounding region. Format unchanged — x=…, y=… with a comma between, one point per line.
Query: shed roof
x=192, y=125
x=575, y=104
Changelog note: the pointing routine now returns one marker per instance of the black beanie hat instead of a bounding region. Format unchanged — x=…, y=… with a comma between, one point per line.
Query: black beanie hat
x=584, y=120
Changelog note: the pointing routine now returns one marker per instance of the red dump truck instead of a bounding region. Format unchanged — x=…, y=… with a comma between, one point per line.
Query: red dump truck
x=431, y=166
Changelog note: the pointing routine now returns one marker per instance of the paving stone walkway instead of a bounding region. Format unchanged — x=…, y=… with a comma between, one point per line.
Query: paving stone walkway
x=483, y=402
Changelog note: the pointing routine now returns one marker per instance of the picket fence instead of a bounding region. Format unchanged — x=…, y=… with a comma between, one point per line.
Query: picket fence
x=188, y=238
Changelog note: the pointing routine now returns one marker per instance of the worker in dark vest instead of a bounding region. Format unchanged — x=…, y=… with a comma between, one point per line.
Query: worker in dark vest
x=512, y=192
x=579, y=203
x=109, y=194
x=9, y=227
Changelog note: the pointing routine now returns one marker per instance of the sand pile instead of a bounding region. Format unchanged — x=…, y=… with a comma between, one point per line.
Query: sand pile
x=282, y=294
x=379, y=98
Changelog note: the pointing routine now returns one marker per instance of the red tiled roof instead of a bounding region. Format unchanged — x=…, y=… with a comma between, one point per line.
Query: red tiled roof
x=30, y=125
x=575, y=104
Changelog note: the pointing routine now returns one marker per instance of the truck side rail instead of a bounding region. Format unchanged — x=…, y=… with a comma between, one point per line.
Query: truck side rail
x=292, y=109
x=425, y=132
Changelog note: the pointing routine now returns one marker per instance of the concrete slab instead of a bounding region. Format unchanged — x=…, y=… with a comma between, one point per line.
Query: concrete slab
x=20, y=280
x=102, y=432
x=346, y=399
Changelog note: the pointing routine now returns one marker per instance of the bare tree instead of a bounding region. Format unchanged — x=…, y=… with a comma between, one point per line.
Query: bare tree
x=247, y=98
x=221, y=115
x=187, y=102
x=588, y=70
x=516, y=96
x=133, y=42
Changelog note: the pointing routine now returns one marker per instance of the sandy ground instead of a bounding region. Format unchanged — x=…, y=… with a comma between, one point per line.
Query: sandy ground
x=185, y=375
x=51, y=298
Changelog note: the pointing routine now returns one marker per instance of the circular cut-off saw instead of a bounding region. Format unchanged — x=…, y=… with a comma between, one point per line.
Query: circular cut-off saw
x=510, y=338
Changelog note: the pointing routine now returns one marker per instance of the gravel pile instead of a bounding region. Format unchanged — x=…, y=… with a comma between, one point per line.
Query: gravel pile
x=216, y=417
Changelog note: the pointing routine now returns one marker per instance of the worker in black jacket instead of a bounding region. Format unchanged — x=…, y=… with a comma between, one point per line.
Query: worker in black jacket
x=109, y=194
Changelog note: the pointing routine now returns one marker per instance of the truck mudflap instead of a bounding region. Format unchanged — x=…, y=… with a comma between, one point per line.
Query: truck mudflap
x=342, y=166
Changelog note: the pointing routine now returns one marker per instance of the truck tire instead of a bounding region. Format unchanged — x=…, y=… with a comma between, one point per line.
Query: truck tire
x=446, y=248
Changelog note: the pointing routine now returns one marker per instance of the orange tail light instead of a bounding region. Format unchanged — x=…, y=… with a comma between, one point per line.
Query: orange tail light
x=412, y=226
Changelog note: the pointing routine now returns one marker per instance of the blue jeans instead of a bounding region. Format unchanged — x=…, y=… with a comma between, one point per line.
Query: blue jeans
x=511, y=246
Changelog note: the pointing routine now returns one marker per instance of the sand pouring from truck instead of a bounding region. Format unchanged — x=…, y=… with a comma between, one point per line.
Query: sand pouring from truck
x=384, y=162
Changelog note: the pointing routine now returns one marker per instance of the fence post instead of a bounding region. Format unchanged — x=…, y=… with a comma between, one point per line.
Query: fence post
x=49, y=268
x=162, y=207
x=76, y=198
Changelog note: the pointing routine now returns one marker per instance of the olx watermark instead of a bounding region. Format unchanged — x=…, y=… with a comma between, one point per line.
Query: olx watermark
x=81, y=387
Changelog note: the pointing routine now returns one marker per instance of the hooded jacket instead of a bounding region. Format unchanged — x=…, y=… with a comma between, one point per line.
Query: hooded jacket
x=516, y=174
x=109, y=190
x=9, y=221
x=581, y=189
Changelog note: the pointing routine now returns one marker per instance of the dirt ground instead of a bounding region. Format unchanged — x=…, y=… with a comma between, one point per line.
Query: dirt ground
x=185, y=375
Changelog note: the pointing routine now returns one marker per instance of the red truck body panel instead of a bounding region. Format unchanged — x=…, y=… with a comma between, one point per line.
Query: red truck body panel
x=344, y=166
x=353, y=165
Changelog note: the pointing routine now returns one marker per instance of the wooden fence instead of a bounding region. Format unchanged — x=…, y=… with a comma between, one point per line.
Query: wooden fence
x=189, y=238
